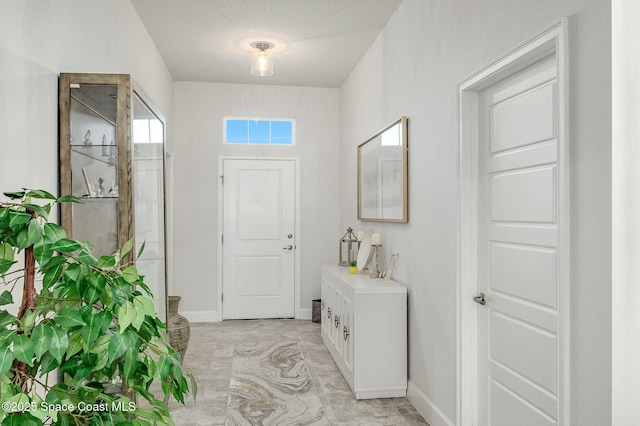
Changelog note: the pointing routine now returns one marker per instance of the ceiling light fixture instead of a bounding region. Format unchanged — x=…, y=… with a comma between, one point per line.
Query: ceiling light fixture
x=262, y=61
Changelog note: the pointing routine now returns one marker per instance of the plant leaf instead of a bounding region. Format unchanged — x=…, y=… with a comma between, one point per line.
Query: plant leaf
x=69, y=199
x=6, y=360
x=28, y=320
x=38, y=210
x=41, y=194
x=23, y=349
x=86, y=257
x=5, y=265
x=69, y=318
x=14, y=195
x=34, y=233
x=141, y=249
x=66, y=245
x=101, y=344
x=119, y=344
x=76, y=343
x=6, y=298
x=106, y=262
x=97, y=324
x=18, y=218
x=53, y=232
x=130, y=274
x=130, y=363
x=126, y=315
x=145, y=305
x=164, y=366
x=23, y=419
x=126, y=248
x=59, y=343
x=7, y=252
x=54, y=271
x=42, y=251
x=138, y=319
x=48, y=363
x=6, y=318
x=41, y=338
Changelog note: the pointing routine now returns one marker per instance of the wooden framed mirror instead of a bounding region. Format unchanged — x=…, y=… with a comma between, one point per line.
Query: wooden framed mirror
x=383, y=175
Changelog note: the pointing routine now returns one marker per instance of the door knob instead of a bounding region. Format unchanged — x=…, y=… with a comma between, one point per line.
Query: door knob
x=289, y=247
x=480, y=299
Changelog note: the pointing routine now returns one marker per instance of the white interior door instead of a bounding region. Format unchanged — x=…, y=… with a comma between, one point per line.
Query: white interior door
x=518, y=239
x=258, y=261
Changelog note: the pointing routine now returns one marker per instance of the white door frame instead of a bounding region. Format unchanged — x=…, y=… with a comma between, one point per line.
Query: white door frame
x=220, y=212
x=550, y=40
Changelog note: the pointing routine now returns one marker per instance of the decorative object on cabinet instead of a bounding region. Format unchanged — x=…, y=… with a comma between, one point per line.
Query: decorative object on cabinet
x=348, y=248
x=364, y=327
x=364, y=252
x=90, y=319
x=383, y=175
x=125, y=199
x=376, y=243
x=178, y=327
x=393, y=264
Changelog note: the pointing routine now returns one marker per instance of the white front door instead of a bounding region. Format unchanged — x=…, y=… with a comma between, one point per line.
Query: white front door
x=518, y=243
x=258, y=260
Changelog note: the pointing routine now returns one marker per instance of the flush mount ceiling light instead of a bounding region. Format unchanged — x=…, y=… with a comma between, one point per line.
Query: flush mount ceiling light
x=262, y=61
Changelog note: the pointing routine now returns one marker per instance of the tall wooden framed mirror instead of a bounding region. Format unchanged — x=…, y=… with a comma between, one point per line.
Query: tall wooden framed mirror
x=383, y=175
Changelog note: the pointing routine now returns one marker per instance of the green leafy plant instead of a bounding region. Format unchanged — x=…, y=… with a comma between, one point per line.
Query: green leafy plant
x=84, y=347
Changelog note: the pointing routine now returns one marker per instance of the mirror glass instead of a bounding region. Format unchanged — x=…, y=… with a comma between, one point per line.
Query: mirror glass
x=382, y=175
x=148, y=177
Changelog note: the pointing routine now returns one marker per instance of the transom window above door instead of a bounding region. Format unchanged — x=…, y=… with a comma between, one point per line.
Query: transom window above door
x=259, y=131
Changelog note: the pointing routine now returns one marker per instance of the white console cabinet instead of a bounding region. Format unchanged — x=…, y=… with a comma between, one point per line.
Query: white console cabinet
x=364, y=327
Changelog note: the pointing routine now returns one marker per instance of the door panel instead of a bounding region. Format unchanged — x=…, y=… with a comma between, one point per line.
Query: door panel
x=529, y=110
x=518, y=364
x=527, y=350
x=519, y=408
x=525, y=195
x=527, y=272
x=258, y=239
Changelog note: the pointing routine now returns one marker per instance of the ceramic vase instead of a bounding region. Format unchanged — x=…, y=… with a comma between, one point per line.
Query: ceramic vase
x=178, y=327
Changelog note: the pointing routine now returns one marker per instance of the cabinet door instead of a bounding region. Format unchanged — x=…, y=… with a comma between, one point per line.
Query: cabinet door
x=323, y=306
x=337, y=318
x=331, y=297
x=346, y=328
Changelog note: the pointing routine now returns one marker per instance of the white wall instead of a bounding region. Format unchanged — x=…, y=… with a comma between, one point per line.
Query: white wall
x=413, y=69
x=199, y=109
x=626, y=211
x=39, y=40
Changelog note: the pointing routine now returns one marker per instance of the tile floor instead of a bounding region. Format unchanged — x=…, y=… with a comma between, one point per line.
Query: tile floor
x=210, y=354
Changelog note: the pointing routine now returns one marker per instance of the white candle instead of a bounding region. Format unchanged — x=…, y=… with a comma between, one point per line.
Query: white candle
x=376, y=240
x=360, y=235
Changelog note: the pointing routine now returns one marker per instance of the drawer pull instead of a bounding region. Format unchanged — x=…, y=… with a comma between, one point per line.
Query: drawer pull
x=337, y=320
x=345, y=332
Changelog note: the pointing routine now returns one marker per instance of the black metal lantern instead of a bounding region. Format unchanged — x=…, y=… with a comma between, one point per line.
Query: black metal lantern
x=348, y=248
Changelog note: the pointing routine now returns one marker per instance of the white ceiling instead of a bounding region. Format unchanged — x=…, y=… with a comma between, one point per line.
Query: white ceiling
x=318, y=42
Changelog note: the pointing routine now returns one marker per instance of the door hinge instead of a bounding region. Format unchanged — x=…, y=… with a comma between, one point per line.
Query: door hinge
x=222, y=177
x=222, y=239
x=221, y=297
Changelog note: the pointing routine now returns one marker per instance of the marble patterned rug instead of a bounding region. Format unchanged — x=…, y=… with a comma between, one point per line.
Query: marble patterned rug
x=271, y=385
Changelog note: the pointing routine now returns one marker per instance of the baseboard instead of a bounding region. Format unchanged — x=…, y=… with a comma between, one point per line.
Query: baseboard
x=305, y=313
x=431, y=413
x=201, y=316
